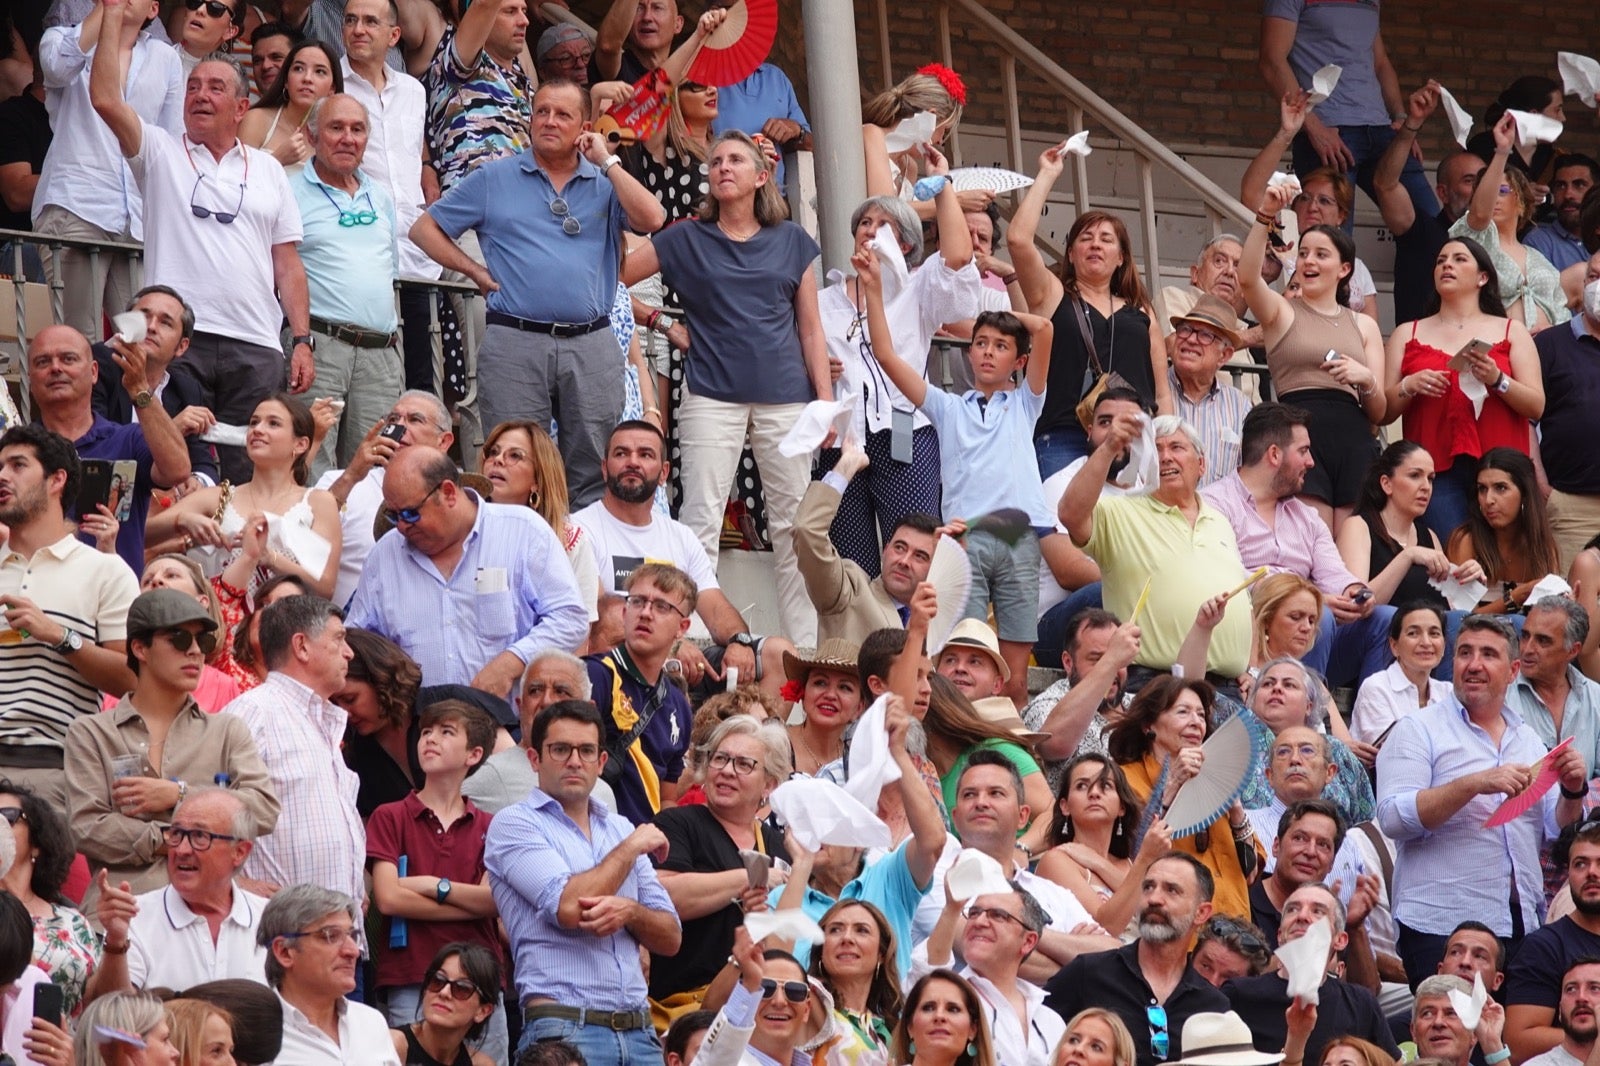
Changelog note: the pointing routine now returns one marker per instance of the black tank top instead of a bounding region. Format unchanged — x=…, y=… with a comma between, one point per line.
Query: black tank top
x=416, y=1056
x=1122, y=343
x=1414, y=586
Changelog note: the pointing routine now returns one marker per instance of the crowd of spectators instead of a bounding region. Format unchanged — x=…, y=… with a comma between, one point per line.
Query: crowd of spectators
x=318, y=745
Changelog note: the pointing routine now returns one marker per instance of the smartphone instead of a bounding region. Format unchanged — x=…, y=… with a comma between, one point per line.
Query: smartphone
x=47, y=1003
x=1462, y=360
x=1362, y=597
x=395, y=431
x=1331, y=356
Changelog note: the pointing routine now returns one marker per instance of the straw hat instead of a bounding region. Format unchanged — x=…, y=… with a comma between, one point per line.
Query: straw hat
x=832, y=654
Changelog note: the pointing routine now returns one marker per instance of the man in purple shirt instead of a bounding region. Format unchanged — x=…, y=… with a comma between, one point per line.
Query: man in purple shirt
x=1283, y=533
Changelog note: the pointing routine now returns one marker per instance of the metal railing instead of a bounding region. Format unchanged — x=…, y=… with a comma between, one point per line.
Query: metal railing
x=1084, y=105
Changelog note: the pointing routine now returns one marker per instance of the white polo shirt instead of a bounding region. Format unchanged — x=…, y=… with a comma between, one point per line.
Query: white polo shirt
x=223, y=270
x=363, y=1037
x=169, y=945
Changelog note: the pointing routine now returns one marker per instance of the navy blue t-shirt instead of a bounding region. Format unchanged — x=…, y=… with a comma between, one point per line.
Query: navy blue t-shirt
x=110, y=440
x=664, y=740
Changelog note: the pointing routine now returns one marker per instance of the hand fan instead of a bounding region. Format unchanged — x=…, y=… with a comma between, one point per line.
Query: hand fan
x=1545, y=776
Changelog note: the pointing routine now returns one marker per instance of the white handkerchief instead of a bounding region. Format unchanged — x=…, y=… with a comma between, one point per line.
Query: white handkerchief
x=1305, y=961
x=918, y=129
x=1460, y=121
x=811, y=428
x=310, y=548
x=1077, y=144
x=785, y=924
x=224, y=434
x=1470, y=1008
x=817, y=812
x=975, y=874
x=1287, y=181
x=868, y=764
x=892, y=267
x=130, y=326
x=1474, y=390
x=1533, y=127
x=1143, y=470
x=1461, y=596
x=1579, y=75
x=1549, y=585
x=1323, y=82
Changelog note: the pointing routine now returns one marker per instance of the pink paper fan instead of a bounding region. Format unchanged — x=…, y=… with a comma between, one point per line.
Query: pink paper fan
x=1545, y=777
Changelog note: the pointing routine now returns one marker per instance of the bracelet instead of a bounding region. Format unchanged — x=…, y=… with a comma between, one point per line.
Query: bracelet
x=652, y=410
x=1401, y=388
x=1578, y=795
x=1264, y=219
x=1496, y=1057
x=116, y=949
x=652, y=318
x=188, y=542
x=1409, y=128
x=1009, y=280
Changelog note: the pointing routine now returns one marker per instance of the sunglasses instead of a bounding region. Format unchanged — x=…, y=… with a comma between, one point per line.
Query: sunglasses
x=1232, y=929
x=793, y=991
x=13, y=815
x=182, y=640
x=224, y=217
x=410, y=515
x=569, y=222
x=461, y=989
x=1160, y=1044
x=693, y=87
x=214, y=9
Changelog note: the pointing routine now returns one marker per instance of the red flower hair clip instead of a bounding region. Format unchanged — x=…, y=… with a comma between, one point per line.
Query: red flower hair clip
x=792, y=691
x=949, y=79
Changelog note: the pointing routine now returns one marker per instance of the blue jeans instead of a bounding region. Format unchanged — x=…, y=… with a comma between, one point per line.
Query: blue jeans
x=404, y=1006
x=1053, y=624
x=1367, y=145
x=1453, y=492
x=1057, y=449
x=600, y=1046
x=1349, y=653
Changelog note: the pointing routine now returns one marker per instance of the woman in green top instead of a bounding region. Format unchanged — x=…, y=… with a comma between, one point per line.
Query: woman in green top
x=955, y=729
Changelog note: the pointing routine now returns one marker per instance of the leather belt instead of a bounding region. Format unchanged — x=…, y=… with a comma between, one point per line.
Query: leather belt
x=619, y=1021
x=354, y=336
x=554, y=329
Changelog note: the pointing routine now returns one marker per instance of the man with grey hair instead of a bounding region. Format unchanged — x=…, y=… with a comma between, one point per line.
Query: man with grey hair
x=1202, y=340
x=1343, y=1008
x=506, y=777
x=1171, y=542
x=1215, y=272
x=319, y=837
x=1001, y=930
x=312, y=936
x=351, y=261
x=221, y=227
x=1438, y=1031
x=1550, y=693
x=200, y=927
x=417, y=417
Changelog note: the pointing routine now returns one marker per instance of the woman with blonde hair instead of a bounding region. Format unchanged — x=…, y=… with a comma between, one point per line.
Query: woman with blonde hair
x=1285, y=612
x=1354, y=1051
x=201, y=1032
x=136, y=1015
x=1095, y=1037
x=933, y=88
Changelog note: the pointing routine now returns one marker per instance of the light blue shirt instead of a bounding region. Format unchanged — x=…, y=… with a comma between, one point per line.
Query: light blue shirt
x=533, y=849
x=350, y=270
x=886, y=884
x=746, y=105
x=545, y=274
x=1580, y=719
x=1460, y=867
x=513, y=590
x=1552, y=241
x=984, y=451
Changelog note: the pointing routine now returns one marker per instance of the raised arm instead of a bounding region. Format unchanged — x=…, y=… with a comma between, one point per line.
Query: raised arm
x=1293, y=108
x=955, y=240
x=1076, y=510
x=472, y=32
x=676, y=67
x=1277, y=37
x=922, y=813
x=911, y=384
x=1399, y=214
x=1272, y=311
x=644, y=212
x=1040, y=286
x=611, y=36
x=1480, y=212
x=1043, y=335
x=106, y=78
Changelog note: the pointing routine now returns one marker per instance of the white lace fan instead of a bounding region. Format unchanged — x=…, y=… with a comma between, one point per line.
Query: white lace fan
x=991, y=179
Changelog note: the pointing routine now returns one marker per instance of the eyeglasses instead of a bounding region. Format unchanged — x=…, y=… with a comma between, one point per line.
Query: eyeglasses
x=182, y=640
x=639, y=603
x=569, y=222
x=199, y=839
x=410, y=515
x=1206, y=336
x=994, y=914
x=743, y=765
x=371, y=22
x=214, y=9
x=560, y=751
x=1160, y=1044
x=1232, y=929
x=506, y=455
x=570, y=59
x=349, y=218
x=226, y=218
x=1305, y=751
x=461, y=989
x=1323, y=201
x=793, y=991
x=332, y=935
x=13, y=815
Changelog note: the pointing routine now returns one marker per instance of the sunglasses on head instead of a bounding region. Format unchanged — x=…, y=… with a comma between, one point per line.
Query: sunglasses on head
x=214, y=9
x=461, y=989
x=793, y=991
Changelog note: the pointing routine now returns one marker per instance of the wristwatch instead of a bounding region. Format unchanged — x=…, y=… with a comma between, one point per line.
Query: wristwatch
x=70, y=642
x=608, y=162
x=143, y=398
x=744, y=639
x=304, y=338
x=442, y=893
x=1502, y=384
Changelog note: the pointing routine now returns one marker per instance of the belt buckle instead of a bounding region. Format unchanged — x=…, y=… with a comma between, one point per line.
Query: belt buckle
x=564, y=329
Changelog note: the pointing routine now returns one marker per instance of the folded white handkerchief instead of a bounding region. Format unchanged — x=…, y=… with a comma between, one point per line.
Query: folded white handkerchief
x=1469, y=1008
x=130, y=326
x=868, y=764
x=975, y=874
x=918, y=129
x=817, y=812
x=1549, y=585
x=1305, y=961
x=1460, y=121
x=1077, y=144
x=1579, y=75
x=791, y=924
x=1532, y=127
x=1461, y=596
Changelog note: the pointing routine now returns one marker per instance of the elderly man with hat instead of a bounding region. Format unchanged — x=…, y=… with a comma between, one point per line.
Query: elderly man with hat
x=1205, y=338
x=563, y=51
x=129, y=768
x=971, y=660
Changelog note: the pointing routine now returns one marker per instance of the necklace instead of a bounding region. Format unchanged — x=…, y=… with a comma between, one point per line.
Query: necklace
x=800, y=732
x=741, y=238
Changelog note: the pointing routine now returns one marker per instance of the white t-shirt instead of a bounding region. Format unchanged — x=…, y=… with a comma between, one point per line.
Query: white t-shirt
x=224, y=271
x=620, y=548
x=1055, y=487
x=1556, y=1056
x=355, y=524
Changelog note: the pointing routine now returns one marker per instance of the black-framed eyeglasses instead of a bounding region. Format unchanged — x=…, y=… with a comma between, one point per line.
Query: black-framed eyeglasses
x=793, y=991
x=994, y=914
x=569, y=222
x=1160, y=1042
x=349, y=218
x=13, y=815
x=461, y=989
x=214, y=9
x=331, y=935
x=743, y=765
x=559, y=751
x=199, y=839
x=226, y=218
x=410, y=515
x=639, y=603
x=1224, y=928
x=1206, y=336
x=182, y=640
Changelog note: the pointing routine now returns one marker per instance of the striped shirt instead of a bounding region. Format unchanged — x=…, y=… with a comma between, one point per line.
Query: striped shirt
x=1219, y=416
x=477, y=110
x=41, y=692
x=319, y=838
x=533, y=849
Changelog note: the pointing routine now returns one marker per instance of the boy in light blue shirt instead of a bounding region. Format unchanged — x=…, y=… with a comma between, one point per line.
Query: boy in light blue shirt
x=985, y=440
